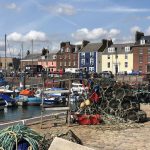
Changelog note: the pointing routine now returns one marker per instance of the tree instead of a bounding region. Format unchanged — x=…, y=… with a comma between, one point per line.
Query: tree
x=45, y=51
x=28, y=52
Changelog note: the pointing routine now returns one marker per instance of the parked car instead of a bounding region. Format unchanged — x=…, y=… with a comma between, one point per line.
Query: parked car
x=106, y=74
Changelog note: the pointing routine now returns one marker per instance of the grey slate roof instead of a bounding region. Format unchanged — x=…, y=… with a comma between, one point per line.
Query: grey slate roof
x=119, y=47
x=91, y=47
x=32, y=56
x=50, y=56
x=146, y=38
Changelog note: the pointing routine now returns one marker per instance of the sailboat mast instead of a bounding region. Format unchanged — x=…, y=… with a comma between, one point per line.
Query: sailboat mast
x=5, y=50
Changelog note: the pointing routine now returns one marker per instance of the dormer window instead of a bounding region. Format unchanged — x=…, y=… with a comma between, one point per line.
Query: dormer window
x=67, y=49
x=54, y=56
x=127, y=49
x=62, y=49
x=76, y=49
x=142, y=41
x=42, y=57
x=111, y=49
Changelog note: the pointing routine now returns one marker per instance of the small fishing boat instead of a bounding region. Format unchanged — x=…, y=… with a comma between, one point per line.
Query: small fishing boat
x=54, y=101
x=27, y=97
x=9, y=101
x=7, y=95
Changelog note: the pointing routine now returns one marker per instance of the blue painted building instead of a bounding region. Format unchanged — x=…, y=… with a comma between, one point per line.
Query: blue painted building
x=90, y=55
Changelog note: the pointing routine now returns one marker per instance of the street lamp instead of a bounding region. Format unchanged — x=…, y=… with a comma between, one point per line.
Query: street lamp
x=116, y=65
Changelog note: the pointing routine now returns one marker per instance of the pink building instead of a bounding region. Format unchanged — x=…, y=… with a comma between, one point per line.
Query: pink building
x=48, y=62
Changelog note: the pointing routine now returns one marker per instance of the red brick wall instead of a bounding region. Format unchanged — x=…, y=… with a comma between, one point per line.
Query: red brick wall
x=136, y=54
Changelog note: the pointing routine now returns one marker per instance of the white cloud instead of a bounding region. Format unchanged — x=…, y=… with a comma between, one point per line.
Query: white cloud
x=94, y=34
x=62, y=9
x=32, y=35
x=148, y=31
x=117, y=9
x=35, y=35
x=12, y=6
x=134, y=29
x=114, y=32
x=148, y=17
x=15, y=37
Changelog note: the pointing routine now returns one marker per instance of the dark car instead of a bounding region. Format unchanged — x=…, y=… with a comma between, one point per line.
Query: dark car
x=106, y=74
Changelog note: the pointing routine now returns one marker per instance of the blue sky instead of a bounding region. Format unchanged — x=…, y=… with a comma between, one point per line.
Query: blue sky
x=48, y=22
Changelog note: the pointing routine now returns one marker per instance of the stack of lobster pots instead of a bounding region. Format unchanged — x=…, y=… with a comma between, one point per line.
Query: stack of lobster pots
x=107, y=97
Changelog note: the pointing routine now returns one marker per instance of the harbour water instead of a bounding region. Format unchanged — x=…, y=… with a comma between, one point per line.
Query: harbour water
x=18, y=113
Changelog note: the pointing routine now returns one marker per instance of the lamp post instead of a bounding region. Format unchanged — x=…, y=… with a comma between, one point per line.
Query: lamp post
x=116, y=66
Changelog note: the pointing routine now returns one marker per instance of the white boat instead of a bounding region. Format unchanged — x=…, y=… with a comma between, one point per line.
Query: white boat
x=77, y=88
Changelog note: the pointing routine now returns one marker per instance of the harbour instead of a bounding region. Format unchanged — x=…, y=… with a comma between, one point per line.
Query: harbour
x=19, y=113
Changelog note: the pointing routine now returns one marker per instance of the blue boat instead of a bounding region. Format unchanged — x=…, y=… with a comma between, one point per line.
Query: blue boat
x=54, y=101
x=34, y=101
x=9, y=101
x=50, y=101
x=29, y=100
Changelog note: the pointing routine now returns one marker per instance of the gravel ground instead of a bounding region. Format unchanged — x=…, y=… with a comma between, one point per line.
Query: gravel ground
x=106, y=137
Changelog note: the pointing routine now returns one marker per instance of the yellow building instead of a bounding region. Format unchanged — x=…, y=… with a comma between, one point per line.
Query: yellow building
x=118, y=58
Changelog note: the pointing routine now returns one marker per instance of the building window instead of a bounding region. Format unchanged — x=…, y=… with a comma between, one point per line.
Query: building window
x=62, y=49
x=83, y=55
x=140, y=68
x=69, y=63
x=126, y=64
x=64, y=56
x=108, y=56
x=76, y=48
x=92, y=54
x=140, y=51
x=148, y=50
x=140, y=59
x=82, y=61
x=69, y=56
x=60, y=63
x=126, y=56
x=142, y=41
x=60, y=57
x=91, y=61
x=116, y=56
x=67, y=49
x=108, y=65
x=127, y=49
x=65, y=63
x=54, y=56
x=91, y=69
x=148, y=59
x=111, y=49
x=74, y=63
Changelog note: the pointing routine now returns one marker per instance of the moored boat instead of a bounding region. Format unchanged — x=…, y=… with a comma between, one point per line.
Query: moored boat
x=29, y=98
x=9, y=101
